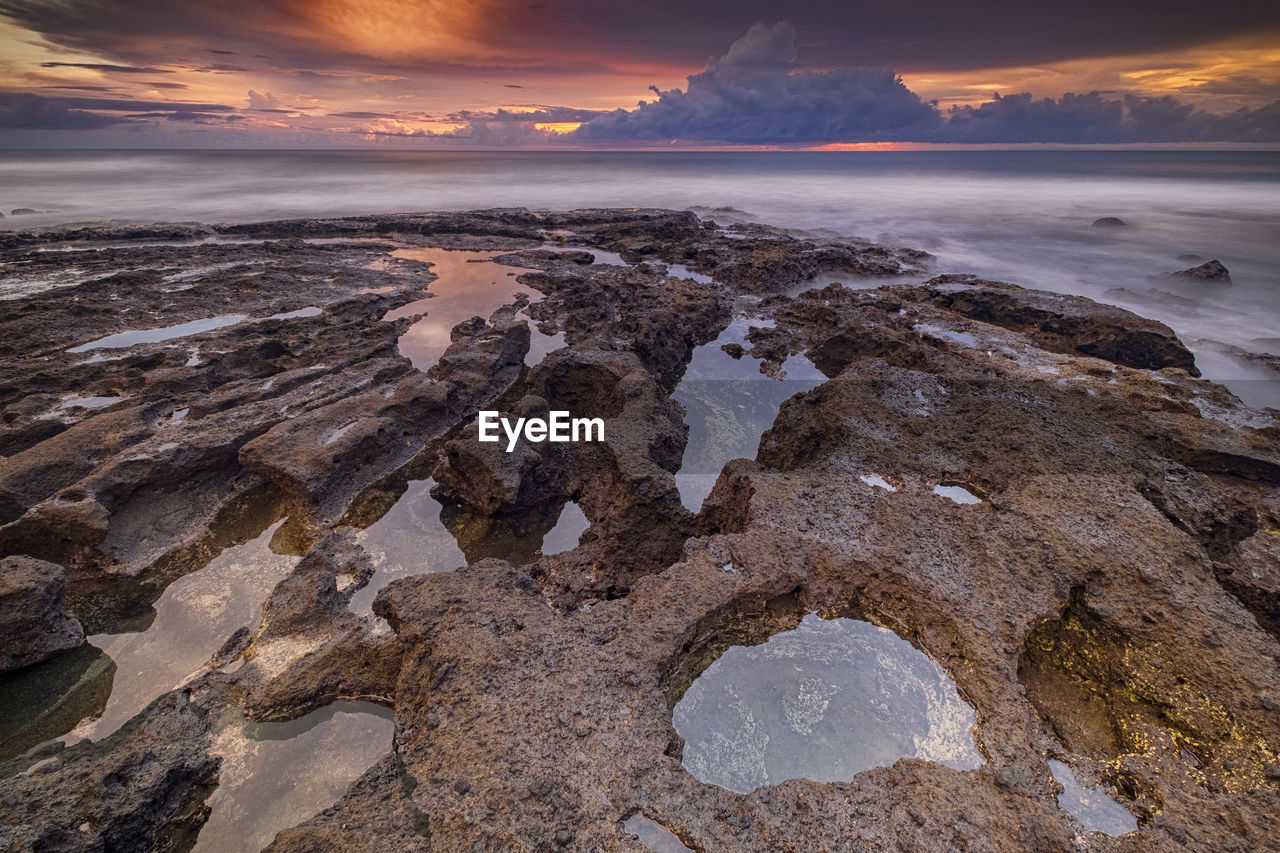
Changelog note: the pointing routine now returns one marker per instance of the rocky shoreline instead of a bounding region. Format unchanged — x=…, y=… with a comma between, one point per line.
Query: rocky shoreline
x=1111, y=600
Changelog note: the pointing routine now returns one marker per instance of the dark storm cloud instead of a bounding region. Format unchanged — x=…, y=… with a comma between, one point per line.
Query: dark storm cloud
x=751, y=95
x=194, y=118
x=21, y=111
x=1252, y=125
x=904, y=34
x=138, y=30
x=124, y=105
x=1093, y=118
x=97, y=66
x=155, y=85
x=1071, y=118
x=202, y=118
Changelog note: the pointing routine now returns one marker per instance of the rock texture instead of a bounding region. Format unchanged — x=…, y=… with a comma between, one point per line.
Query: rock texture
x=141, y=789
x=34, y=623
x=1112, y=601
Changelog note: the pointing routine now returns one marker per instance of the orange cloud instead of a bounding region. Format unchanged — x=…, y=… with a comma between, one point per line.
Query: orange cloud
x=1234, y=73
x=557, y=127
x=399, y=29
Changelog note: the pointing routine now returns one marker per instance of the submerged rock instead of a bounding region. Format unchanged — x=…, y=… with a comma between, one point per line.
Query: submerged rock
x=1209, y=271
x=1109, y=222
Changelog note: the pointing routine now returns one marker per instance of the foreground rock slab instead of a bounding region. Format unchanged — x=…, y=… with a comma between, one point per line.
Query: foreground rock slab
x=1107, y=594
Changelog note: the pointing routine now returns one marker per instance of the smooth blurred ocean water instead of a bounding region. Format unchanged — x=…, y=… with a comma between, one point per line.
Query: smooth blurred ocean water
x=1022, y=215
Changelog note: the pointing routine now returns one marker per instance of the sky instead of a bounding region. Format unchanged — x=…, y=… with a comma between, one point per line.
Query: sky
x=621, y=74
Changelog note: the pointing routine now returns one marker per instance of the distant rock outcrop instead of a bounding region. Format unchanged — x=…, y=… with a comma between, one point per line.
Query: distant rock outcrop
x=1110, y=222
x=1213, y=270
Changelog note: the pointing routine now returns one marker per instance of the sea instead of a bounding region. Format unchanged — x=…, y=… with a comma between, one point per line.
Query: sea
x=1023, y=216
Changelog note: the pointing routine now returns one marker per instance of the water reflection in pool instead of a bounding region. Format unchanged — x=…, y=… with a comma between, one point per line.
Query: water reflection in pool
x=1096, y=811
x=194, y=616
x=652, y=835
x=408, y=540
x=150, y=336
x=277, y=775
x=728, y=405
x=823, y=701
x=468, y=285
x=43, y=701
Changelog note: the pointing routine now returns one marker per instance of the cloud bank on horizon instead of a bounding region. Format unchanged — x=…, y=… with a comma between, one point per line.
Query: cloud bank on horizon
x=753, y=95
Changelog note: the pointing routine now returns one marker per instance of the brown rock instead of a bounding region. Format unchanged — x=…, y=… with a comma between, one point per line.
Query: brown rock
x=1061, y=323
x=1208, y=271
x=34, y=623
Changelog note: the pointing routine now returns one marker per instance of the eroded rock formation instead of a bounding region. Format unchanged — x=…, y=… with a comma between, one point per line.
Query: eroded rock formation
x=1111, y=600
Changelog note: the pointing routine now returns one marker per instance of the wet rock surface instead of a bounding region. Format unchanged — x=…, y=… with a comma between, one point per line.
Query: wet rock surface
x=1108, y=598
x=141, y=789
x=34, y=623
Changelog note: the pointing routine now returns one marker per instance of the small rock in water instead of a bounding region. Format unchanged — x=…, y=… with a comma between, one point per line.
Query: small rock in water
x=734, y=351
x=1109, y=222
x=1189, y=258
x=22, y=211
x=1209, y=271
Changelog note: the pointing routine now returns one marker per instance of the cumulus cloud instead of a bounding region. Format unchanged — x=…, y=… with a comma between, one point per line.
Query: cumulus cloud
x=1250, y=125
x=1071, y=118
x=753, y=95
x=501, y=134
x=1094, y=118
x=264, y=101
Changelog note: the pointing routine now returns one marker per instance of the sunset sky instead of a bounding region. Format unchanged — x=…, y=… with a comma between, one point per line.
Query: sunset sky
x=496, y=73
